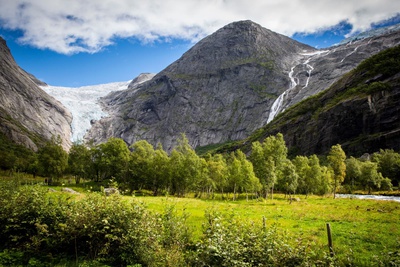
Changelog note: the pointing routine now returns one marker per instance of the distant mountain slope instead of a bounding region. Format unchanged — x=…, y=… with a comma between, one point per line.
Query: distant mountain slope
x=361, y=112
x=28, y=116
x=221, y=89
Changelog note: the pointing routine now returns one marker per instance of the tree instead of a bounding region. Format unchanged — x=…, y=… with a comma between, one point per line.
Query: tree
x=186, y=167
x=161, y=174
x=318, y=177
x=370, y=176
x=79, y=161
x=353, y=171
x=141, y=165
x=336, y=159
x=217, y=171
x=267, y=159
x=305, y=184
x=249, y=181
x=326, y=180
x=52, y=159
x=241, y=177
x=149, y=168
x=288, y=177
x=112, y=159
x=388, y=164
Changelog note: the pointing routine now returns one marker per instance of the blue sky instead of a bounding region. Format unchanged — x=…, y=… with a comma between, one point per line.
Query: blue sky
x=76, y=43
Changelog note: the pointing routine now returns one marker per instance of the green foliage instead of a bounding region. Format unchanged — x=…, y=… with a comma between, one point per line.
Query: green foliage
x=186, y=168
x=52, y=159
x=232, y=241
x=104, y=229
x=241, y=177
x=288, y=177
x=112, y=159
x=217, y=172
x=268, y=159
x=388, y=164
x=336, y=159
x=148, y=168
x=365, y=174
x=79, y=161
x=38, y=228
x=14, y=156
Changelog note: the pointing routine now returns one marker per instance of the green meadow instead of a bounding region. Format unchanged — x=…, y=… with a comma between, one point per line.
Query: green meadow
x=92, y=229
x=362, y=229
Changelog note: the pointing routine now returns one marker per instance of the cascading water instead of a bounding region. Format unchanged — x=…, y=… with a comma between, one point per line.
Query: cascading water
x=277, y=105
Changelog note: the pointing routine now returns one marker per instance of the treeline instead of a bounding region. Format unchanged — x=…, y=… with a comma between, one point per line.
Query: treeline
x=265, y=169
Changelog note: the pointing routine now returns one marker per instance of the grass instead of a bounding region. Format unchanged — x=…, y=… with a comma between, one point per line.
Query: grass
x=361, y=229
x=365, y=227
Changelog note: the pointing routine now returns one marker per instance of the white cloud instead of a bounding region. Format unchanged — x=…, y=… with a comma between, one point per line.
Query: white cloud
x=88, y=25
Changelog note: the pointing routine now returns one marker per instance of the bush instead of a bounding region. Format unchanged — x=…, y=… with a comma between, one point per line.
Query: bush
x=230, y=241
x=99, y=228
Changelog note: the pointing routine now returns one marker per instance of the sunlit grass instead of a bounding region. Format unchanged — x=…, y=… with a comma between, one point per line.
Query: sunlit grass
x=365, y=227
x=362, y=229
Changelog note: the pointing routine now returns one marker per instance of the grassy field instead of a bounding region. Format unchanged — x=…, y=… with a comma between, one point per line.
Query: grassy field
x=360, y=228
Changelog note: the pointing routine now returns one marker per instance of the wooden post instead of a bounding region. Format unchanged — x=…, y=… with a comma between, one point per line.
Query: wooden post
x=264, y=223
x=330, y=244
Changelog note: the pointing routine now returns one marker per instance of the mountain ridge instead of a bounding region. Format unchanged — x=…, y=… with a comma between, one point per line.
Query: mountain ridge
x=228, y=85
x=360, y=111
x=219, y=90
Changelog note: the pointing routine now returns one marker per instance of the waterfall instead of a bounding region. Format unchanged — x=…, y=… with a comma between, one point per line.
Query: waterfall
x=277, y=105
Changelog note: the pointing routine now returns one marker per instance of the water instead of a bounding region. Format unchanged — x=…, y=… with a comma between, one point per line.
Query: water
x=375, y=197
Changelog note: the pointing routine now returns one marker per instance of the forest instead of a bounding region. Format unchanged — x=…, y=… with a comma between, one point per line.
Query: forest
x=264, y=170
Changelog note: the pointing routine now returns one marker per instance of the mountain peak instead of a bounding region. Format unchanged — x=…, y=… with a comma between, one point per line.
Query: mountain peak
x=236, y=44
x=219, y=90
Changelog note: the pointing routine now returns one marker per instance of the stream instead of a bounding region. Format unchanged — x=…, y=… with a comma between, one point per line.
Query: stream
x=375, y=197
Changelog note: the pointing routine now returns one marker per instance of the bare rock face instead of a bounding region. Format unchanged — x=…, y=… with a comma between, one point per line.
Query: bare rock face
x=220, y=90
x=228, y=85
x=318, y=70
x=361, y=111
x=28, y=115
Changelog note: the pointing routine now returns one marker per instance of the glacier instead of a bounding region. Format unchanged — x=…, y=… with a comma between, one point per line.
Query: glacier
x=83, y=102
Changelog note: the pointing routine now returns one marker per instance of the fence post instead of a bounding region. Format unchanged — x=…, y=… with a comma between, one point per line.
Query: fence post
x=264, y=223
x=330, y=244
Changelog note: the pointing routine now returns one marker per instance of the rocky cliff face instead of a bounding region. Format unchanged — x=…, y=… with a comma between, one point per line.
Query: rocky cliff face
x=222, y=89
x=361, y=111
x=228, y=85
x=320, y=69
x=28, y=115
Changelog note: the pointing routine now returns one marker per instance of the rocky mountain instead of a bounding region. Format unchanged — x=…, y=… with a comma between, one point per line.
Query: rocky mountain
x=320, y=69
x=28, y=115
x=221, y=89
x=228, y=85
x=361, y=111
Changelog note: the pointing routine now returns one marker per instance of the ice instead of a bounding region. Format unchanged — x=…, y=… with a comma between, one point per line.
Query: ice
x=83, y=103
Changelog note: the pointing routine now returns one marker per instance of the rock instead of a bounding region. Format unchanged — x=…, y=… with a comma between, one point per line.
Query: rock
x=361, y=121
x=28, y=115
x=110, y=191
x=220, y=90
x=69, y=190
x=295, y=199
x=226, y=86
